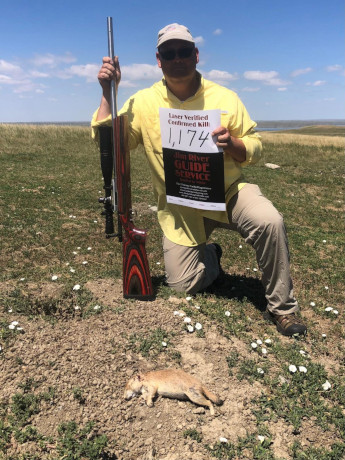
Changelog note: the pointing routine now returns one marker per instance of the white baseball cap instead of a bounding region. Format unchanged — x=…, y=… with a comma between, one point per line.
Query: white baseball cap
x=174, y=32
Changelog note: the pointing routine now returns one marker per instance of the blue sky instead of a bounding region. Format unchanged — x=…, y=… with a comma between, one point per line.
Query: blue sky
x=285, y=58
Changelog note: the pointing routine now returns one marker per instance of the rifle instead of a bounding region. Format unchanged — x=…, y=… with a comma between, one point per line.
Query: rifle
x=115, y=165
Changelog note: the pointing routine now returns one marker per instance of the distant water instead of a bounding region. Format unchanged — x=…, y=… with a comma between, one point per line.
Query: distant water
x=277, y=125
x=263, y=125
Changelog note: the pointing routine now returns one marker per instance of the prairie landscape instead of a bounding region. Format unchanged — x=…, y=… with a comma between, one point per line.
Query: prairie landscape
x=69, y=341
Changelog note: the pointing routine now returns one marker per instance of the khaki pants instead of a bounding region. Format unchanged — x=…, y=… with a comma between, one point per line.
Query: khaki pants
x=191, y=269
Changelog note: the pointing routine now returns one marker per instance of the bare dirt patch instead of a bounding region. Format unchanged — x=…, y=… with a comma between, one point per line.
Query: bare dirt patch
x=95, y=357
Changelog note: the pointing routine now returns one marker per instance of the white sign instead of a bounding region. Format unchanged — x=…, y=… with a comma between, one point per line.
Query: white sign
x=193, y=164
x=189, y=130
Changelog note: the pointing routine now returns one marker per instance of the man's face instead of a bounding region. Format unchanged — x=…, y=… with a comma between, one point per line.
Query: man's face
x=177, y=58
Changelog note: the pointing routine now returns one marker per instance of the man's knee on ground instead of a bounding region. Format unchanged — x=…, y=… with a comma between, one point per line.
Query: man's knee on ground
x=190, y=285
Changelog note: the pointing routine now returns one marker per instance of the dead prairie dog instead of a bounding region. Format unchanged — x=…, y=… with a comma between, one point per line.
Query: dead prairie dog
x=171, y=383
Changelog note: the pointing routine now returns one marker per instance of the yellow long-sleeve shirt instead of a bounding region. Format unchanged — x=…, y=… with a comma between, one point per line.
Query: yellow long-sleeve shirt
x=180, y=224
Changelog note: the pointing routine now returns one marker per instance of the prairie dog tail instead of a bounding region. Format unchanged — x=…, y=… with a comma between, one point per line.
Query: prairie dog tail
x=212, y=397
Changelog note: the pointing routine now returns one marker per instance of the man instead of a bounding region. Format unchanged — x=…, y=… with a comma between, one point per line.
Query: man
x=191, y=264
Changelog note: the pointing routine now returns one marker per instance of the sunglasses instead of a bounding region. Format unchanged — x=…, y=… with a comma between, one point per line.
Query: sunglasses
x=182, y=53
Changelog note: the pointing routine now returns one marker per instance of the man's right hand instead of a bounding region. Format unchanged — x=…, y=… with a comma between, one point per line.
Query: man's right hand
x=110, y=70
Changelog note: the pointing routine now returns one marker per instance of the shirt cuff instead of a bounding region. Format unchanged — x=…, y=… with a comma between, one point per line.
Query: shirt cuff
x=96, y=123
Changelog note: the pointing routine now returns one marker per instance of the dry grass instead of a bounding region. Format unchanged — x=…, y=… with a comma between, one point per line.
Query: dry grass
x=301, y=139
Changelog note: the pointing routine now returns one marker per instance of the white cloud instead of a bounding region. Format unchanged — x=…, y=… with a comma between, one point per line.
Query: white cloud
x=250, y=89
x=217, y=32
x=298, y=72
x=52, y=60
x=259, y=75
x=334, y=68
x=220, y=76
x=8, y=68
x=316, y=83
x=281, y=89
x=36, y=74
x=5, y=79
x=268, y=78
x=199, y=40
x=26, y=86
x=88, y=71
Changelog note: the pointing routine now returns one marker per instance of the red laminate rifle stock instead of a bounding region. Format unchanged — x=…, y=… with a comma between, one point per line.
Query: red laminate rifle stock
x=115, y=164
x=136, y=273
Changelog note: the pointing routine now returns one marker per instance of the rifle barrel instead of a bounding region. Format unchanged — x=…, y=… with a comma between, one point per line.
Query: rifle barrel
x=112, y=55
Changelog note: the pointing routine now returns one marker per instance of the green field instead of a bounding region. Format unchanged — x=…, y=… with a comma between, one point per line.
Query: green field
x=319, y=130
x=52, y=238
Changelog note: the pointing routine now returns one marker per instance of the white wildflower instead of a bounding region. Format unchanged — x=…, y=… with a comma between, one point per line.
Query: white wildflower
x=188, y=298
x=85, y=262
x=292, y=368
x=335, y=312
x=76, y=287
x=328, y=309
x=12, y=327
x=158, y=263
x=15, y=323
x=261, y=439
x=264, y=351
x=190, y=328
x=72, y=270
x=324, y=336
x=198, y=326
x=324, y=241
x=54, y=278
x=312, y=304
x=176, y=313
x=302, y=369
x=187, y=320
x=240, y=246
x=259, y=342
x=10, y=310
x=227, y=313
x=326, y=287
x=254, y=345
x=77, y=307
x=89, y=248
x=164, y=344
x=268, y=341
x=22, y=279
x=326, y=386
x=181, y=313
x=75, y=253
x=96, y=307
x=302, y=352
x=223, y=440
x=260, y=371
x=255, y=269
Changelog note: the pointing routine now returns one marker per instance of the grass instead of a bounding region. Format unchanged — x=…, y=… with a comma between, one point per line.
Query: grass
x=51, y=224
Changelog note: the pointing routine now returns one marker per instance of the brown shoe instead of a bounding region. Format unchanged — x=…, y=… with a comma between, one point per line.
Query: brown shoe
x=289, y=324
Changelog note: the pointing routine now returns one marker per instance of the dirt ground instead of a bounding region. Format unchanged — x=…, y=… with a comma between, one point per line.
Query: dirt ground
x=97, y=355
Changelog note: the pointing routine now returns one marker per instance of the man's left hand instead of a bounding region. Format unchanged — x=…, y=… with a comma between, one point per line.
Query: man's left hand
x=231, y=145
